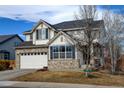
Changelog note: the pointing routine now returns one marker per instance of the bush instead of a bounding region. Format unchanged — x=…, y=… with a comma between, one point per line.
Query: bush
x=6, y=64
x=2, y=67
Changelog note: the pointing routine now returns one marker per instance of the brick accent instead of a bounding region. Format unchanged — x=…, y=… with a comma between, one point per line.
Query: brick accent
x=63, y=64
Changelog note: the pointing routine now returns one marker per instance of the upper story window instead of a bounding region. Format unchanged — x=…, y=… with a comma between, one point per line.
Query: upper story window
x=42, y=34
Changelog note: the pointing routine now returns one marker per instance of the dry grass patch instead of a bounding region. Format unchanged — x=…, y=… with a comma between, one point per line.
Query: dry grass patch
x=73, y=77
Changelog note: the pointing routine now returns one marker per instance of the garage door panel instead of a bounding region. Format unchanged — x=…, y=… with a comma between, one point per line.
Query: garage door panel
x=33, y=61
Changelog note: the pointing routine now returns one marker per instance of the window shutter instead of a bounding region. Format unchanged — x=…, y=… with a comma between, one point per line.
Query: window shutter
x=51, y=51
x=36, y=34
x=46, y=33
x=73, y=51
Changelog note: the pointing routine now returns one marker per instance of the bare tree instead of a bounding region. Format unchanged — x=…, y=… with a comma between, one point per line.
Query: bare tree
x=114, y=30
x=85, y=38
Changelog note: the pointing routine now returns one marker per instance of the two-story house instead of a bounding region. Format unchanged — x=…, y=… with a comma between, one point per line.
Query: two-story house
x=52, y=46
x=7, y=46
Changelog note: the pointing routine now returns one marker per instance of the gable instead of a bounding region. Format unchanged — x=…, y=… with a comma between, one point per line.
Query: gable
x=42, y=25
x=61, y=39
x=51, y=32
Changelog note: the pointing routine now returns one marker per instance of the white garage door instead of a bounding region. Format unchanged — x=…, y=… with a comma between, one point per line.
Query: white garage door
x=33, y=60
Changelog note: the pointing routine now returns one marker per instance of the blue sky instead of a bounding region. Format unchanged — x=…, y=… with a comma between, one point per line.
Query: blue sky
x=17, y=19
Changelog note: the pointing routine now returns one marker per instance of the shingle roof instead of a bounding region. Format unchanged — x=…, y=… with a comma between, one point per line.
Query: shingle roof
x=26, y=43
x=29, y=44
x=4, y=38
x=77, y=24
x=28, y=31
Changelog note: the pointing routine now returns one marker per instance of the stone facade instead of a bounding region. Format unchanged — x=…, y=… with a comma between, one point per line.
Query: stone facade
x=63, y=64
x=52, y=64
x=27, y=50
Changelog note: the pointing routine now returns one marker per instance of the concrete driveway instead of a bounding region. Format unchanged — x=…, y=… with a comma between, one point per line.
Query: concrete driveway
x=6, y=75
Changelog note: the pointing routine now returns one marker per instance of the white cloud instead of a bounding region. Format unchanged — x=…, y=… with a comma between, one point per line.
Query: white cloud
x=33, y=13
x=52, y=14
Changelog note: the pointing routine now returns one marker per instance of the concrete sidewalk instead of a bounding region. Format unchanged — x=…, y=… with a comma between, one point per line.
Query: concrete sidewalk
x=17, y=84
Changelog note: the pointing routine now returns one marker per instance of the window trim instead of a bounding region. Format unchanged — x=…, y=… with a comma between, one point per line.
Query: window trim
x=52, y=52
x=42, y=34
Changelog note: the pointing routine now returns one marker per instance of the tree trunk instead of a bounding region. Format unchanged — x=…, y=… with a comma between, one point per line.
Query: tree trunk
x=115, y=57
x=88, y=60
x=112, y=57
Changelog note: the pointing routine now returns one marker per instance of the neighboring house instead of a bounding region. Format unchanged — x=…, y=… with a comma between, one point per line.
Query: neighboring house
x=52, y=46
x=7, y=46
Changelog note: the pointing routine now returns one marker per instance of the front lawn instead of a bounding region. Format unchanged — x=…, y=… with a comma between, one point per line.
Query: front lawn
x=73, y=77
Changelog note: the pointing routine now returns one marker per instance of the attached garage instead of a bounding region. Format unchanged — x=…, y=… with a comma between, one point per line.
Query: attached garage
x=33, y=60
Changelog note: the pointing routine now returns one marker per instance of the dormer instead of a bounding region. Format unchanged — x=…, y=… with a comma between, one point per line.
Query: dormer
x=41, y=33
